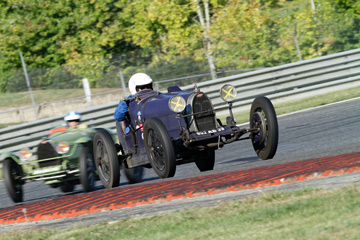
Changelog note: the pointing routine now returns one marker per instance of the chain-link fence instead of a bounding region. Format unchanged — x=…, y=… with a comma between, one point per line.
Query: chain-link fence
x=107, y=91
x=43, y=79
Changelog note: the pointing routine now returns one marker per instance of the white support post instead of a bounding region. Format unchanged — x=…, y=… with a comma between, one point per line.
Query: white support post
x=28, y=85
x=87, y=91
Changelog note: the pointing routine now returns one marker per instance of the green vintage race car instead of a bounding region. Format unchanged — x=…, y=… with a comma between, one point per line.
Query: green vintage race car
x=66, y=158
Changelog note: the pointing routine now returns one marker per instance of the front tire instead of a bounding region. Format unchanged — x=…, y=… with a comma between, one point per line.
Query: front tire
x=159, y=148
x=263, y=116
x=106, y=160
x=87, y=169
x=12, y=173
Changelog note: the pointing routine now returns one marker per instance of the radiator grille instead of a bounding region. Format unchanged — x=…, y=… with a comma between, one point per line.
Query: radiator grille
x=47, y=150
x=204, y=121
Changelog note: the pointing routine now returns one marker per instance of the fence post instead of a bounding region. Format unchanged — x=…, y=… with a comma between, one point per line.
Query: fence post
x=28, y=84
x=87, y=91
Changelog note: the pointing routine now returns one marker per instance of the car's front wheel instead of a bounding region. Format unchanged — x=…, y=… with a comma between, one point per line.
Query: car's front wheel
x=12, y=173
x=159, y=148
x=87, y=169
x=106, y=160
x=263, y=117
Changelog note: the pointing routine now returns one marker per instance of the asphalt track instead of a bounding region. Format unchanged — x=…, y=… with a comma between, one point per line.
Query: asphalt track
x=326, y=136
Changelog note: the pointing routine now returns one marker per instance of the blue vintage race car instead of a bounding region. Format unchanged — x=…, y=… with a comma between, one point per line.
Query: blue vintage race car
x=163, y=130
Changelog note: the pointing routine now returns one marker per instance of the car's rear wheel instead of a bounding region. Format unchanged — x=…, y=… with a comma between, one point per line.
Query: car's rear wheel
x=106, y=160
x=263, y=116
x=67, y=187
x=12, y=173
x=87, y=169
x=205, y=160
x=159, y=148
x=135, y=174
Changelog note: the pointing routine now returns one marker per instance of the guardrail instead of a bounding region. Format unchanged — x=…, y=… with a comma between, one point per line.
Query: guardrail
x=290, y=81
x=23, y=135
x=282, y=83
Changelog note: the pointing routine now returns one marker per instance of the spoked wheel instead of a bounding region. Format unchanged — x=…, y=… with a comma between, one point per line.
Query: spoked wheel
x=12, y=176
x=159, y=148
x=67, y=187
x=205, y=160
x=263, y=116
x=87, y=169
x=106, y=161
x=134, y=175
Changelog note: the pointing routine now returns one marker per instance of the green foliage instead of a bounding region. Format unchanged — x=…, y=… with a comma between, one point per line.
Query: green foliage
x=64, y=41
x=245, y=37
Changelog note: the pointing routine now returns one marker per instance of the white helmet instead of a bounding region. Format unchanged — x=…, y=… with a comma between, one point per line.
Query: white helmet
x=71, y=116
x=138, y=79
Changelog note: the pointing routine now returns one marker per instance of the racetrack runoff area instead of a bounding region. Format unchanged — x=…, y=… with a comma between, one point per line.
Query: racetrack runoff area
x=136, y=195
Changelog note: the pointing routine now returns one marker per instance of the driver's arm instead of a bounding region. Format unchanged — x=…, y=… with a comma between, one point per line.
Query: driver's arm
x=120, y=111
x=123, y=108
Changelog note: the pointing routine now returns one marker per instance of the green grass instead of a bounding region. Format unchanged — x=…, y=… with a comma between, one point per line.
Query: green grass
x=3, y=125
x=15, y=100
x=304, y=214
x=296, y=105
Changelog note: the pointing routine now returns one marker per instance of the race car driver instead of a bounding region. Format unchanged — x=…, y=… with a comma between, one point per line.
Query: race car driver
x=140, y=85
x=72, y=119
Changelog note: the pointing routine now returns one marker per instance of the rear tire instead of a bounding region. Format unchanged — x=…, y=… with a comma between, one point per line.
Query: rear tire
x=12, y=173
x=263, y=116
x=106, y=160
x=159, y=148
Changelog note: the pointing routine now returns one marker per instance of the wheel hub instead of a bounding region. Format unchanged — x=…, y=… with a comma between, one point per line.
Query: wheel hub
x=258, y=121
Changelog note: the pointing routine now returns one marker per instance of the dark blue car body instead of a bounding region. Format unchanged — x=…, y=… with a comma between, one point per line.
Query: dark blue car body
x=191, y=132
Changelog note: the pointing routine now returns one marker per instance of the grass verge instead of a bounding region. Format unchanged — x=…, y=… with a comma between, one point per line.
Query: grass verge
x=304, y=214
x=20, y=99
x=296, y=105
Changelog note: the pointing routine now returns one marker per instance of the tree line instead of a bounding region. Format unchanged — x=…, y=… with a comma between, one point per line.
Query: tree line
x=63, y=40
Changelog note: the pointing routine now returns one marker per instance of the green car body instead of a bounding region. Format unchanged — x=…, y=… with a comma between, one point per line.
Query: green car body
x=56, y=161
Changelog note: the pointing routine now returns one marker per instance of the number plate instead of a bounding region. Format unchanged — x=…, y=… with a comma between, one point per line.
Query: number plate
x=219, y=129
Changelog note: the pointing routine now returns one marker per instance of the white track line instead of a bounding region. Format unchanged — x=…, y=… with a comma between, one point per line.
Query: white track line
x=309, y=109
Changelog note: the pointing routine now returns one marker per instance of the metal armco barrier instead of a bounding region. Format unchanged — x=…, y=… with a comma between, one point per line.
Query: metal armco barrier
x=29, y=134
x=288, y=82
x=280, y=84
